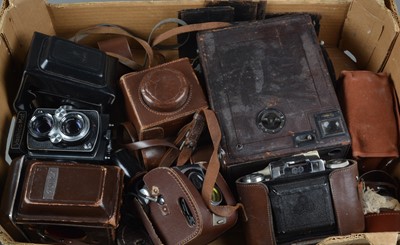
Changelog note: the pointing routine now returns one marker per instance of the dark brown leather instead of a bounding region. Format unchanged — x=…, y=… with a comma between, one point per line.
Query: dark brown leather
x=70, y=203
x=385, y=221
x=259, y=226
x=69, y=192
x=142, y=100
x=346, y=199
x=267, y=102
x=370, y=108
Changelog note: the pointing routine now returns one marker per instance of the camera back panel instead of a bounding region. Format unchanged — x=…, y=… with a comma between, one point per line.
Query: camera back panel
x=272, y=92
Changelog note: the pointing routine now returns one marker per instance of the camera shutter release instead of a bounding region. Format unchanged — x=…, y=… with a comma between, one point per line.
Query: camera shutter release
x=164, y=90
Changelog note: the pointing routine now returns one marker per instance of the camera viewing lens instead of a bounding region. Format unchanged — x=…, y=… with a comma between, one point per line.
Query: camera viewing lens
x=40, y=125
x=74, y=126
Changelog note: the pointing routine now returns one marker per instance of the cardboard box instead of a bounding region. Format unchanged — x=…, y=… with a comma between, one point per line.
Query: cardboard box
x=367, y=29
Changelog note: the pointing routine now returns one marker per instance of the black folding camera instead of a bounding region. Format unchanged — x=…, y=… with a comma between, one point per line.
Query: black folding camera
x=60, y=72
x=63, y=133
x=301, y=193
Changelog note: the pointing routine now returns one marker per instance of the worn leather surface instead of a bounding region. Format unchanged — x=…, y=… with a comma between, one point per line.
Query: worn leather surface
x=385, y=221
x=259, y=226
x=168, y=220
x=164, y=96
x=346, y=199
x=371, y=113
x=249, y=71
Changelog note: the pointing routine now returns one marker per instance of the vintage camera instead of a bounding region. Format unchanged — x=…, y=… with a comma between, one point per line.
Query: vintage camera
x=62, y=202
x=62, y=133
x=301, y=194
x=58, y=72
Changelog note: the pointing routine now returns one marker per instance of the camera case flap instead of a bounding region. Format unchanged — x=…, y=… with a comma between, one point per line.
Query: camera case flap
x=161, y=100
x=302, y=208
x=179, y=214
x=59, y=71
x=66, y=201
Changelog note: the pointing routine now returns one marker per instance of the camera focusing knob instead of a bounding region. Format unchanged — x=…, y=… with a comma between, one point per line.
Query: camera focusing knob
x=337, y=163
x=252, y=178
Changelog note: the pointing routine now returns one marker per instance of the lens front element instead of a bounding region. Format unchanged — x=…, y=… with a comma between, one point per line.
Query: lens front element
x=40, y=125
x=74, y=126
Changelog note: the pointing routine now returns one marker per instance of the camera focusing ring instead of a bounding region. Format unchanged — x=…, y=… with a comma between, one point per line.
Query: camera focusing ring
x=74, y=126
x=40, y=125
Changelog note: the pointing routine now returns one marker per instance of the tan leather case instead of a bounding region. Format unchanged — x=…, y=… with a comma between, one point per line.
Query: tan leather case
x=161, y=99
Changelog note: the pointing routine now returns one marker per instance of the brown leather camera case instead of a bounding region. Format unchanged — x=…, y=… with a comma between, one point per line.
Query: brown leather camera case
x=70, y=202
x=162, y=99
x=259, y=228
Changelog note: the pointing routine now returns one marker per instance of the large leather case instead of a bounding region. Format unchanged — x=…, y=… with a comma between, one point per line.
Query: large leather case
x=63, y=202
x=270, y=87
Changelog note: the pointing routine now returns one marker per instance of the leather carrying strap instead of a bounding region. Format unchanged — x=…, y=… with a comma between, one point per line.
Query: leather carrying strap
x=186, y=141
x=186, y=29
x=212, y=172
x=116, y=30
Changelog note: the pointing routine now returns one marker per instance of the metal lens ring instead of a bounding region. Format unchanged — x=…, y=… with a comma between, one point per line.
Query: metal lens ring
x=40, y=125
x=74, y=126
x=337, y=163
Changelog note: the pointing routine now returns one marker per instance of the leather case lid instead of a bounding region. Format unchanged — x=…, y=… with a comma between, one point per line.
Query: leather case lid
x=268, y=84
x=70, y=193
x=165, y=96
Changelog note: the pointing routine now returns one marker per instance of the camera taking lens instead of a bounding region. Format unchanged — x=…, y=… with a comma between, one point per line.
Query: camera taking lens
x=62, y=126
x=196, y=175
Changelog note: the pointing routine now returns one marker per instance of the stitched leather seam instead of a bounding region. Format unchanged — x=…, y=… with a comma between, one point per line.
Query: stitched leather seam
x=269, y=211
x=335, y=194
x=189, y=99
x=382, y=214
x=178, y=116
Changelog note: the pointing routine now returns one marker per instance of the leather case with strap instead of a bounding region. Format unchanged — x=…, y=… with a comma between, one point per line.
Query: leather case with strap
x=182, y=214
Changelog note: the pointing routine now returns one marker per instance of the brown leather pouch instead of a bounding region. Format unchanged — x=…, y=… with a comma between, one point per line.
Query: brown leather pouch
x=370, y=108
x=347, y=214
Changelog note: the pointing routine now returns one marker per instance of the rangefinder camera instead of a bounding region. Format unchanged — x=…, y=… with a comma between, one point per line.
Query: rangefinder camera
x=301, y=194
x=62, y=133
x=59, y=72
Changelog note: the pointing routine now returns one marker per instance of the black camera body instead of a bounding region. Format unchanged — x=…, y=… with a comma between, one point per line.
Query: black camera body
x=301, y=195
x=62, y=133
x=60, y=72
